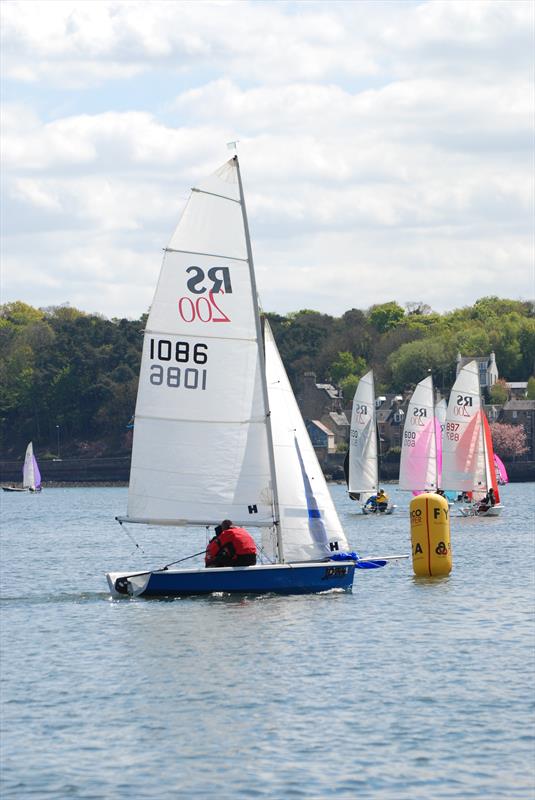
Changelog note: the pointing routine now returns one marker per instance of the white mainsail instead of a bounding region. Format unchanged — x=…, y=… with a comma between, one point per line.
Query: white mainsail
x=418, y=464
x=200, y=449
x=309, y=525
x=463, y=455
x=31, y=478
x=441, y=409
x=218, y=433
x=363, y=467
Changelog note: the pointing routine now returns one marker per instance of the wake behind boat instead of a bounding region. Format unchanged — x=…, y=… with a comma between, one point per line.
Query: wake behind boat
x=218, y=433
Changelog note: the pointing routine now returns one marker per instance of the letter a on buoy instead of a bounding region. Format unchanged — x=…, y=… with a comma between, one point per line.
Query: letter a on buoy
x=430, y=535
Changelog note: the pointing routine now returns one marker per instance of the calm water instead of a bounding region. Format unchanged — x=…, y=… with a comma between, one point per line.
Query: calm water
x=403, y=689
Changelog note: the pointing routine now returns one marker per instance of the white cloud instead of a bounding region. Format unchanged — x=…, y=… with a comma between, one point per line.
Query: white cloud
x=244, y=38
x=385, y=147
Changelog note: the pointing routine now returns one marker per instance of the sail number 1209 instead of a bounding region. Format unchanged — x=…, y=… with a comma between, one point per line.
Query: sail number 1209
x=185, y=377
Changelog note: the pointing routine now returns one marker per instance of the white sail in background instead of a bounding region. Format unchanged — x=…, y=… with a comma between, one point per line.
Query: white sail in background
x=31, y=477
x=310, y=528
x=463, y=455
x=418, y=464
x=200, y=449
x=441, y=410
x=363, y=467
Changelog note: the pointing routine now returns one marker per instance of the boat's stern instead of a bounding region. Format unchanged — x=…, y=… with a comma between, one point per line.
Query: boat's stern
x=127, y=584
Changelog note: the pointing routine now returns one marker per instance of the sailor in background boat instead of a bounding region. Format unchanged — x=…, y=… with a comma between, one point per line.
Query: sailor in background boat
x=371, y=504
x=230, y=547
x=382, y=500
x=488, y=501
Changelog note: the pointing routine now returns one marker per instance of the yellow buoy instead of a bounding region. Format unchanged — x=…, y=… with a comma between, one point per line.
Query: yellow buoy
x=430, y=535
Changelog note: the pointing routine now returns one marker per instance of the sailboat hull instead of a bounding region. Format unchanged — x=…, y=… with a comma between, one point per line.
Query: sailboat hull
x=471, y=511
x=262, y=579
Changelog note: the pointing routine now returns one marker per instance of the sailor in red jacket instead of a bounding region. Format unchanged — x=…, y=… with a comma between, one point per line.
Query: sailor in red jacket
x=230, y=547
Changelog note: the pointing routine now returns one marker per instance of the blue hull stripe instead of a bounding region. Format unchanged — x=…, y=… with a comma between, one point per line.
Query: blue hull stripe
x=277, y=579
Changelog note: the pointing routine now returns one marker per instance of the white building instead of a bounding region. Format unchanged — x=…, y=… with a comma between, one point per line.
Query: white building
x=488, y=371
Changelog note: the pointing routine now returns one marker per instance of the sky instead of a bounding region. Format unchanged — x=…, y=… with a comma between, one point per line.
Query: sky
x=387, y=148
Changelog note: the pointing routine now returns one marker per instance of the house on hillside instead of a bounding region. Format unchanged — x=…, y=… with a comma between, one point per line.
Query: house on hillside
x=321, y=437
x=521, y=412
x=519, y=389
x=488, y=371
x=323, y=403
x=390, y=415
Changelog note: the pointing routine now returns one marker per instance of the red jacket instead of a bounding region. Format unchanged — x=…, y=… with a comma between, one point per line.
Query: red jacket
x=233, y=542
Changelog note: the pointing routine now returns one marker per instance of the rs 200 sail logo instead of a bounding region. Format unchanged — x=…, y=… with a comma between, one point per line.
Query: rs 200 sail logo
x=204, y=285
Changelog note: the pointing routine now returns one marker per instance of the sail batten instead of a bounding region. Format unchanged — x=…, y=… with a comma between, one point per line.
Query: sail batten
x=208, y=255
x=200, y=421
x=187, y=335
x=192, y=523
x=214, y=194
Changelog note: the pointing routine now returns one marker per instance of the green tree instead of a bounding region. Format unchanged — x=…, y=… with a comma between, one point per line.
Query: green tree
x=300, y=338
x=349, y=387
x=347, y=365
x=343, y=366
x=18, y=313
x=499, y=392
x=385, y=316
x=473, y=340
x=531, y=388
x=413, y=361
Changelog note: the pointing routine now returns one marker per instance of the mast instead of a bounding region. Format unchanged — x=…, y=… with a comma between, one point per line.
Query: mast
x=377, y=436
x=488, y=480
x=437, y=487
x=271, y=452
x=488, y=467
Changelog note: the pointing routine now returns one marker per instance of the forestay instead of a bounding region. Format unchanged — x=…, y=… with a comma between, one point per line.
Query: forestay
x=200, y=448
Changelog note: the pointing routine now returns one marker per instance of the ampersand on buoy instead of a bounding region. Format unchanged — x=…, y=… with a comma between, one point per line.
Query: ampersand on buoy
x=441, y=549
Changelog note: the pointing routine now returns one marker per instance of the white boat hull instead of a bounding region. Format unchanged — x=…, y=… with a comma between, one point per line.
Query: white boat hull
x=369, y=513
x=472, y=511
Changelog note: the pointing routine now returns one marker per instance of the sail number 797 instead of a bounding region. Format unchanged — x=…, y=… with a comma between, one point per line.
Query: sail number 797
x=183, y=353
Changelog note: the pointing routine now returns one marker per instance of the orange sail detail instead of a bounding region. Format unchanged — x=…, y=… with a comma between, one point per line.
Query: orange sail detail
x=490, y=457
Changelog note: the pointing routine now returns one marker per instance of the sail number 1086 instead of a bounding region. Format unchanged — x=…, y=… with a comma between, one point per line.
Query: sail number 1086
x=185, y=377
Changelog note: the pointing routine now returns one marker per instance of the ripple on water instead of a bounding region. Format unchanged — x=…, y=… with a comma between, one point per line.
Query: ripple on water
x=404, y=688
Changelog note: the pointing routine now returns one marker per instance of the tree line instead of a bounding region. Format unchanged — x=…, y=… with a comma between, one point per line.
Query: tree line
x=66, y=372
